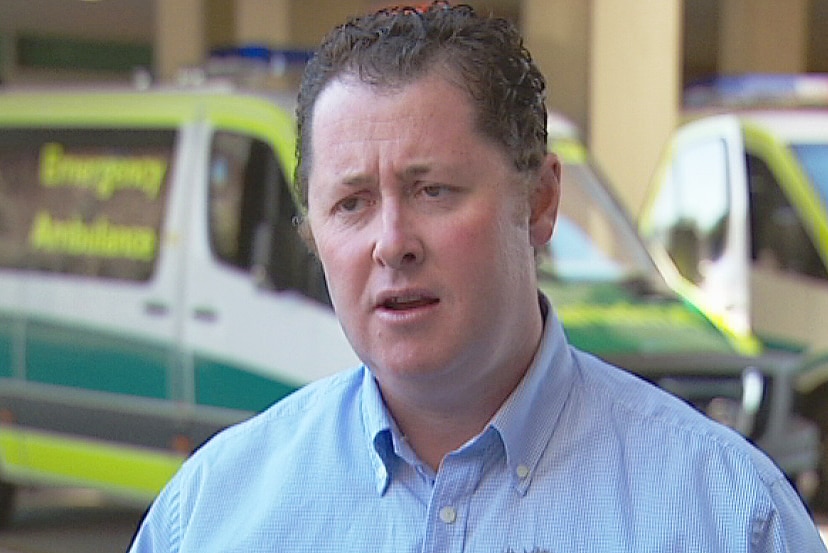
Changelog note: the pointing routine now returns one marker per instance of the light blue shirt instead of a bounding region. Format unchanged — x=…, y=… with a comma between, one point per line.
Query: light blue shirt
x=582, y=457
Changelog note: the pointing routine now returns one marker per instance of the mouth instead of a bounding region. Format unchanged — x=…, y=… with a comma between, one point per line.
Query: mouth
x=403, y=302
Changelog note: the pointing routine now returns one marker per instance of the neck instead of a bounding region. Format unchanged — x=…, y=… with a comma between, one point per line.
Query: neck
x=439, y=417
x=434, y=435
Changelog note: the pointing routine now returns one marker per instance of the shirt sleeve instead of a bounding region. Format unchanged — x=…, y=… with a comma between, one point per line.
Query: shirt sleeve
x=789, y=527
x=160, y=531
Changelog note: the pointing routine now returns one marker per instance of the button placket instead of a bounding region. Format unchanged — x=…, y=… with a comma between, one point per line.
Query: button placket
x=455, y=482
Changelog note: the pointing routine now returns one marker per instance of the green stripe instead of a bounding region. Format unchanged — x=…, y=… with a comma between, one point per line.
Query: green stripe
x=222, y=385
x=778, y=343
x=91, y=359
x=7, y=326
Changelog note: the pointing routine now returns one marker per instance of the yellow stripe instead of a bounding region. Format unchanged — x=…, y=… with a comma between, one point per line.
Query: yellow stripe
x=39, y=457
x=10, y=448
x=569, y=150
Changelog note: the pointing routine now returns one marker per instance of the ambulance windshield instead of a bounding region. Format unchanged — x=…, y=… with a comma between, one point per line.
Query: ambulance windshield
x=593, y=240
x=814, y=159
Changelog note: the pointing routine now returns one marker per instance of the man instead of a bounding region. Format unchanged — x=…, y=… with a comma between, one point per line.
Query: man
x=472, y=425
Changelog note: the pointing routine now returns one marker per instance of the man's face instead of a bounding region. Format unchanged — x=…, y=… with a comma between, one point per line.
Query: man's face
x=422, y=227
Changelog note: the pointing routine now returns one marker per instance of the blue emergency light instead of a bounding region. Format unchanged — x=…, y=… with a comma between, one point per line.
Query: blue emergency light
x=255, y=54
x=767, y=89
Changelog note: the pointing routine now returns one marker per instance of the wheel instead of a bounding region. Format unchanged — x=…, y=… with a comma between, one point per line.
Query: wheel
x=816, y=409
x=7, y=496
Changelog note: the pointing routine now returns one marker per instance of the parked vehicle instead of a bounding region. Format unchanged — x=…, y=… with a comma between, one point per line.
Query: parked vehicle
x=739, y=203
x=153, y=289
x=613, y=302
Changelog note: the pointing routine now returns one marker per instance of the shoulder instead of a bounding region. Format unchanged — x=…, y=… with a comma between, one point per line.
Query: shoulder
x=260, y=466
x=296, y=422
x=634, y=434
x=649, y=417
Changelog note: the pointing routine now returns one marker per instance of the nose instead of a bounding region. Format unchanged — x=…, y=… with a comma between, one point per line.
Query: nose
x=397, y=244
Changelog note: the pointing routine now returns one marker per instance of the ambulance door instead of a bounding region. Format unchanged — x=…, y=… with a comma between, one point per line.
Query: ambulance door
x=257, y=321
x=95, y=251
x=698, y=215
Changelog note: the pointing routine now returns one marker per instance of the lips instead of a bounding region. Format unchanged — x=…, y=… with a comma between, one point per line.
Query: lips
x=402, y=302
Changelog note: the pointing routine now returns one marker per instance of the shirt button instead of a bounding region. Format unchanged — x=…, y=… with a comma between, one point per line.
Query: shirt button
x=522, y=471
x=448, y=515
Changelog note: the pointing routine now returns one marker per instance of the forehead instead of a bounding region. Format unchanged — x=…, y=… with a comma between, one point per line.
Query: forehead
x=430, y=114
x=431, y=97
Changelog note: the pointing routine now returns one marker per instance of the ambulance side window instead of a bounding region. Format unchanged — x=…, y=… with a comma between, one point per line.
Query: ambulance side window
x=693, y=207
x=87, y=202
x=778, y=239
x=251, y=217
x=238, y=192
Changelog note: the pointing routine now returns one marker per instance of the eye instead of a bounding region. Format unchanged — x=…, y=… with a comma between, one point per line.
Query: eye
x=348, y=204
x=351, y=204
x=433, y=191
x=438, y=195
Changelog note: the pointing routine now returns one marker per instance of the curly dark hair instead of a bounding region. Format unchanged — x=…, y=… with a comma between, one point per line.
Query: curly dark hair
x=396, y=46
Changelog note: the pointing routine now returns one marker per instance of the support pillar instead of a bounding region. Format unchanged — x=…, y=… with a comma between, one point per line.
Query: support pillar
x=557, y=34
x=634, y=89
x=265, y=22
x=766, y=36
x=179, y=39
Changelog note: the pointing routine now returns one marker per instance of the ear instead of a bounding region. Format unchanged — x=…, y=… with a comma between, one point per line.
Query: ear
x=544, y=201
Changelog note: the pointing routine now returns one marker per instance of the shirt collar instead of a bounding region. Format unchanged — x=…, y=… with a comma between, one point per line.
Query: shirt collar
x=527, y=419
x=525, y=422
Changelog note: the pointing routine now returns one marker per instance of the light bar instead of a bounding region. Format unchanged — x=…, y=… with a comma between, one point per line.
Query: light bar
x=767, y=89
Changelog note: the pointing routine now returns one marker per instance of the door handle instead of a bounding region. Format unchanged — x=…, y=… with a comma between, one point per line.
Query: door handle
x=206, y=314
x=156, y=308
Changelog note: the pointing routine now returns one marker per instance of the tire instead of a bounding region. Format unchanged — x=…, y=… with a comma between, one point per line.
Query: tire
x=816, y=409
x=7, y=503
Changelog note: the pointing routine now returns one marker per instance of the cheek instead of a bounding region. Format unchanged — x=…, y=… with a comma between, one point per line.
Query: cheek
x=477, y=240
x=494, y=248
x=344, y=265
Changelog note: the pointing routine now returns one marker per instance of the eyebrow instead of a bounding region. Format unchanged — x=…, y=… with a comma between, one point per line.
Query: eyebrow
x=408, y=173
x=415, y=171
x=359, y=179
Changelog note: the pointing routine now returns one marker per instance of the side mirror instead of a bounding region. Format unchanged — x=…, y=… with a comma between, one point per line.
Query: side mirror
x=684, y=247
x=261, y=257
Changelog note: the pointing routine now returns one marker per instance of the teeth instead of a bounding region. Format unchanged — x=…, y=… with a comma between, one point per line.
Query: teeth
x=406, y=299
x=403, y=302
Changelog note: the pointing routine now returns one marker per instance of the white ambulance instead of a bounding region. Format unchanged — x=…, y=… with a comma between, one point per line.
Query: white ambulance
x=153, y=289
x=739, y=203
